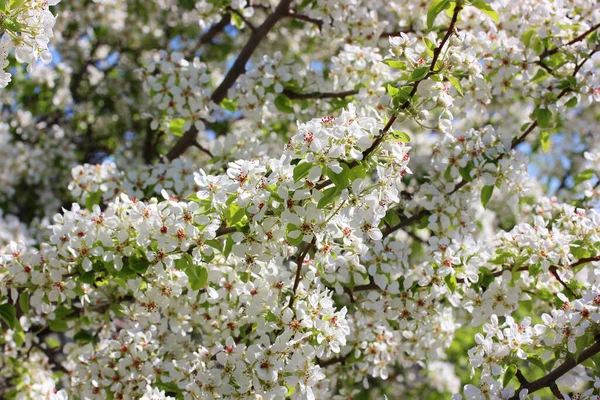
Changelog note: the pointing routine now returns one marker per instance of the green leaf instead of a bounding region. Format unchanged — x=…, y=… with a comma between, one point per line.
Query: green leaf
x=237, y=20
x=3, y=4
x=183, y=263
x=510, y=373
x=543, y=116
x=526, y=37
x=456, y=83
x=291, y=390
x=486, y=8
x=486, y=195
x=83, y=336
x=448, y=174
x=465, y=172
x=430, y=46
x=328, y=197
x=14, y=4
x=537, y=361
x=391, y=217
x=19, y=336
x=284, y=104
x=235, y=214
x=24, y=302
x=88, y=277
x=119, y=281
x=582, y=343
x=229, y=105
x=515, y=270
x=584, y=176
x=270, y=317
x=8, y=314
x=401, y=136
x=12, y=25
x=358, y=171
x=342, y=179
x=545, y=140
x=572, y=102
x=435, y=8
x=401, y=97
x=418, y=74
x=301, y=170
x=215, y=244
x=450, y=282
x=59, y=325
x=198, y=277
x=399, y=65
x=540, y=76
x=392, y=90
x=92, y=199
x=304, y=4
x=176, y=126
x=138, y=265
x=228, y=247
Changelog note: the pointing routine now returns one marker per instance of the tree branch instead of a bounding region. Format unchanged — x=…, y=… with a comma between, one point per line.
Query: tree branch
x=305, y=18
x=299, y=261
x=550, y=379
x=212, y=32
x=547, y=53
x=237, y=69
x=317, y=95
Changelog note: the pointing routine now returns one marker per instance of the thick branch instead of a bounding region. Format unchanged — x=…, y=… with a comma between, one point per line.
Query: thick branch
x=550, y=379
x=318, y=95
x=237, y=69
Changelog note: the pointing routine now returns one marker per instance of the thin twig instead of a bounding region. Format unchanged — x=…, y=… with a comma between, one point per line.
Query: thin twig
x=302, y=252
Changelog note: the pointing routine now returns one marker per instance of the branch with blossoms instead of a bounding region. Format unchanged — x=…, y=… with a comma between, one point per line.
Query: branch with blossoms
x=549, y=380
x=237, y=69
x=359, y=208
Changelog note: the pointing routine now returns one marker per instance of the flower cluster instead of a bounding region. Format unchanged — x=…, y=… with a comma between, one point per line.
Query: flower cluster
x=26, y=27
x=300, y=199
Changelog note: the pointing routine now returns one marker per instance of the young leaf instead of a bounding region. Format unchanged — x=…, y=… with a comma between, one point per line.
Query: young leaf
x=486, y=195
x=537, y=361
x=328, y=196
x=284, y=104
x=138, y=265
x=8, y=314
x=543, y=117
x=197, y=277
x=92, y=199
x=342, y=179
x=545, y=140
x=435, y=8
x=59, y=325
x=584, y=176
x=450, y=282
x=301, y=170
x=486, y=8
x=176, y=126
x=572, y=102
x=510, y=373
x=392, y=91
x=456, y=83
x=401, y=136
x=399, y=65
x=418, y=74
x=24, y=302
